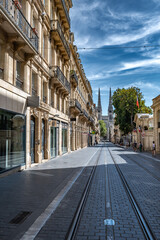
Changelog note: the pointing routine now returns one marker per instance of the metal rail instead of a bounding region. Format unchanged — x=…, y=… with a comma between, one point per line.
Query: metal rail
x=77, y=217
x=153, y=175
x=147, y=231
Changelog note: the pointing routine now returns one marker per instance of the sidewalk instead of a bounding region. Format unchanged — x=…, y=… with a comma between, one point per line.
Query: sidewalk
x=146, y=153
x=25, y=195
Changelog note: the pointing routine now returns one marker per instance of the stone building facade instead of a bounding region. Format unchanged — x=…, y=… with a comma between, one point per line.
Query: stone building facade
x=144, y=130
x=43, y=87
x=156, y=114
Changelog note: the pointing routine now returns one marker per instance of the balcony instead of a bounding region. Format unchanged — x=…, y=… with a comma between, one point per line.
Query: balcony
x=90, y=98
x=58, y=35
x=85, y=114
x=60, y=4
x=59, y=80
x=74, y=78
x=18, y=29
x=91, y=120
x=75, y=106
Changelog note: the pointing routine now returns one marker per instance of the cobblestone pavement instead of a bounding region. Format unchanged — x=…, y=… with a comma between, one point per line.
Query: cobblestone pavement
x=145, y=187
x=37, y=191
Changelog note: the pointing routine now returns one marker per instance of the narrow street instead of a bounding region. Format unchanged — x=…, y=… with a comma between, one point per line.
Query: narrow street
x=84, y=195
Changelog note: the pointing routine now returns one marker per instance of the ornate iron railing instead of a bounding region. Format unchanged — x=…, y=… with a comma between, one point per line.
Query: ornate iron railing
x=75, y=103
x=66, y=12
x=55, y=25
x=74, y=75
x=12, y=10
x=60, y=76
x=85, y=114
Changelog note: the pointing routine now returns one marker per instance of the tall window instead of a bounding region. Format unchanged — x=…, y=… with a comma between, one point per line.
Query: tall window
x=1, y=64
x=44, y=92
x=43, y=46
x=19, y=75
x=34, y=84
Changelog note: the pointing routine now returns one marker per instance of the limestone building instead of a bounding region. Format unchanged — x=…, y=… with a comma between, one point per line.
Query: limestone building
x=43, y=87
x=144, y=130
x=156, y=116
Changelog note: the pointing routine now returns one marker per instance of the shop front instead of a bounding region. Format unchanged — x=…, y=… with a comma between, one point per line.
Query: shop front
x=64, y=137
x=54, y=137
x=12, y=140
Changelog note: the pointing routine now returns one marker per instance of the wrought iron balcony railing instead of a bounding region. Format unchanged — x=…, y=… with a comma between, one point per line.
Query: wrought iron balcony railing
x=55, y=26
x=12, y=9
x=19, y=83
x=66, y=12
x=74, y=75
x=75, y=103
x=85, y=114
x=57, y=73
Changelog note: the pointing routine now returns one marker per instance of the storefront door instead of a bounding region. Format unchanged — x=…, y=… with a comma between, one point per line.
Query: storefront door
x=53, y=142
x=32, y=141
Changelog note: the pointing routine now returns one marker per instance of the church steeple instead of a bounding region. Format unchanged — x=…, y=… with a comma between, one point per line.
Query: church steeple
x=99, y=106
x=110, y=107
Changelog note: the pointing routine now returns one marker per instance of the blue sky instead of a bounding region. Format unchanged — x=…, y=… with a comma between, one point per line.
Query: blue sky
x=114, y=23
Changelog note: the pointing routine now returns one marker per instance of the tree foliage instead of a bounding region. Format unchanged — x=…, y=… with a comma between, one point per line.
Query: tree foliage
x=103, y=129
x=124, y=102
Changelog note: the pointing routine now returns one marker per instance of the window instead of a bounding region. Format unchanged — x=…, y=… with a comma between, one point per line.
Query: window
x=34, y=84
x=1, y=67
x=12, y=140
x=44, y=92
x=19, y=75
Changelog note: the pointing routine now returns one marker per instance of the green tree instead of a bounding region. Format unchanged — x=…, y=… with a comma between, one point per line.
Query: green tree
x=103, y=129
x=125, y=104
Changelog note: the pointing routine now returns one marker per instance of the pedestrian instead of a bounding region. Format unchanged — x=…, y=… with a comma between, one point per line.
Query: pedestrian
x=135, y=146
x=140, y=147
x=153, y=149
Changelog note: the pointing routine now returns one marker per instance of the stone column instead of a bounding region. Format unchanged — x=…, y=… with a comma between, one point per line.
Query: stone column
x=27, y=77
x=68, y=138
x=6, y=64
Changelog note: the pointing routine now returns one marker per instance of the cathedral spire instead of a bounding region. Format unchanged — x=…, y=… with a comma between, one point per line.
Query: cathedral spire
x=99, y=106
x=110, y=107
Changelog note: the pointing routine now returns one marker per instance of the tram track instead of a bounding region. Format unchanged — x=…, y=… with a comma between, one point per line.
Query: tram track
x=140, y=165
x=145, y=227
x=71, y=234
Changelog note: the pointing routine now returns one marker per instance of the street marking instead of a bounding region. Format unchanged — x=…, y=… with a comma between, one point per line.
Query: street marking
x=35, y=228
x=109, y=222
x=108, y=205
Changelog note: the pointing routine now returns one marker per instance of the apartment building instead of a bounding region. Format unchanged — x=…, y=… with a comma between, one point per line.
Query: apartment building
x=156, y=115
x=43, y=87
